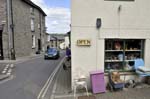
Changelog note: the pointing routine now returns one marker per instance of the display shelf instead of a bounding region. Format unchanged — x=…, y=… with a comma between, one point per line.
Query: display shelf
x=119, y=52
x=129, y=60
x=113, y=50
x=133, y=50
x=113, y=60
x=122, y=72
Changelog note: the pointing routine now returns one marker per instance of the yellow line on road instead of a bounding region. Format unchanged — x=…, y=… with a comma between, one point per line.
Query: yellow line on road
x=49, y=81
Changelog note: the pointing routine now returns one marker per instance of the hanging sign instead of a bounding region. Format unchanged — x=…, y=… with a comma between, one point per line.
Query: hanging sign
x=84, y=42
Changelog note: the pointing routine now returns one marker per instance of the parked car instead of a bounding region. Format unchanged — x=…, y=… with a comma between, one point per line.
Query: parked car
x=52, y=53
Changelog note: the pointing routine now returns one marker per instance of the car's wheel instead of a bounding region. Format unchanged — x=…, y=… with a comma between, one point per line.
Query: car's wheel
x=58, y=56
x=45, y=58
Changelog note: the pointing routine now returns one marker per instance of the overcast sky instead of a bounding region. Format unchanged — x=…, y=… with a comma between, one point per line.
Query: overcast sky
x=58, y=14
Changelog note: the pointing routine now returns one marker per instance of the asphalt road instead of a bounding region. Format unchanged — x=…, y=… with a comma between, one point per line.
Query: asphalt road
x=30, y=77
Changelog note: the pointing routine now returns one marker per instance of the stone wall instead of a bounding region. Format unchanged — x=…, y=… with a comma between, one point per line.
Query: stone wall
x=2, y=11
x=22, y=30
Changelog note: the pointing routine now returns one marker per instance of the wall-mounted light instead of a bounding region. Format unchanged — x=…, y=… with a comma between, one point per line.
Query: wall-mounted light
x=98, y=23
x=119, y=8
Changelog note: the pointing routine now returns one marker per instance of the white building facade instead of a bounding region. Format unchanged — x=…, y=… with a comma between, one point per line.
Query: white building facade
x=124, y=23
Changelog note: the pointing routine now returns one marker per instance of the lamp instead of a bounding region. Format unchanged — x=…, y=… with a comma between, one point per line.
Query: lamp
x=98, y=23
x=119, y=8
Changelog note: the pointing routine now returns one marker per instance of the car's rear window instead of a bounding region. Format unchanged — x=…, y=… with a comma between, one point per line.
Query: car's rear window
x=52, y=50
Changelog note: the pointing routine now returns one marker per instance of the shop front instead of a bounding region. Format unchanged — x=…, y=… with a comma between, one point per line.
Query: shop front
x=109, y=35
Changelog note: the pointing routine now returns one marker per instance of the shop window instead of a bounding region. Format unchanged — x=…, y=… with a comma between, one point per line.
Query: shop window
x=119, y=0
x=120, y=54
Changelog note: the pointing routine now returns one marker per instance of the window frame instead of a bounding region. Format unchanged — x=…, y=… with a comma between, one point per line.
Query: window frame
x=33, y=41
x=32, y=25
x=32, y=10
x=120, y=0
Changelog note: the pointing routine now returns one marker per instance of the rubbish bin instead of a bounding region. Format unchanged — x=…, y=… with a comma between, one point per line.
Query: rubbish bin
x=97, y=82
x=13, y=54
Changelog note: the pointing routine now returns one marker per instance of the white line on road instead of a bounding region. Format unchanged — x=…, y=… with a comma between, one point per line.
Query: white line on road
x=10, y=78
x=49, y=81
x=54, y=89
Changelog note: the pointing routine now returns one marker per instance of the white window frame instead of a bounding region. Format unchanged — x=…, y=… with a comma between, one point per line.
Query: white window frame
x=32, y=10
x=48, y=38
x=33, y=41
x=32, y=25
x=119, y=0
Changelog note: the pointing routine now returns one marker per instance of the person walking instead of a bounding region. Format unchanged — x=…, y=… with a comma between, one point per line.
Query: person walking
x=67, y=62
x=68, y=53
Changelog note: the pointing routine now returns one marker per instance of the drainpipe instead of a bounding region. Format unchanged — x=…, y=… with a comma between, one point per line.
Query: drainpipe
x=8, y=28
x=12, y=27
x=41, y=45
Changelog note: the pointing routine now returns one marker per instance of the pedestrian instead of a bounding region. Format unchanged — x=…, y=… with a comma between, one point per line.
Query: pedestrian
x=67, y=62
x=68, y=53
x=47, y=47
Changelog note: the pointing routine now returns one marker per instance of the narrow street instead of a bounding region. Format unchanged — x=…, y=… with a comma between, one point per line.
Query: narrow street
x=29, y=78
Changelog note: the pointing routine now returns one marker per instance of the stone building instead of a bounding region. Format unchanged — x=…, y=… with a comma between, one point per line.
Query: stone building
x=56, y=39
x=22, y=28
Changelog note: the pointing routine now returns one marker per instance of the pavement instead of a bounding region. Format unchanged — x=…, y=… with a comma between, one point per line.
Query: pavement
x=62, y=90
x=21, y=59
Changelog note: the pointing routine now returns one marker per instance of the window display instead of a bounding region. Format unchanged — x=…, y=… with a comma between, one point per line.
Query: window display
x=121, y=53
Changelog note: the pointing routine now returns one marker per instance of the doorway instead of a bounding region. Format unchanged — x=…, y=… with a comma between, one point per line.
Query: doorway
x=1, y=45
x=39, y=44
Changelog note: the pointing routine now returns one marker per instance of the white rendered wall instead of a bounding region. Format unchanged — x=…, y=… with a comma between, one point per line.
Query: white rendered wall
x=131, y=22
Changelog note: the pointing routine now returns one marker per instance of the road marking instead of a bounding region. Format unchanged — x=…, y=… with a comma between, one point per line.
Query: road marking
x=49, y=81
x=9, y=78
x=65, y=96
x=53, y=75
x=70, y=95
x=54, y=89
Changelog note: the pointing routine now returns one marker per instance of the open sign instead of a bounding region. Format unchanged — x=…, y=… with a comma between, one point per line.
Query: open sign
x=83, y=42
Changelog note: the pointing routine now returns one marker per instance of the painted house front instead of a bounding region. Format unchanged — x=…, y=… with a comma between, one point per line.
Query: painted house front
x=109, y=35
